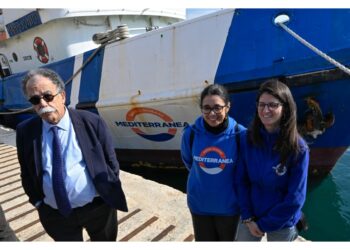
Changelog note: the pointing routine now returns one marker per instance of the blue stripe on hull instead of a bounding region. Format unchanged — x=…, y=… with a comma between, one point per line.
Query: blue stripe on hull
x=12, y=92
x=12, y=85
x=256, y=48
x=65, y=70
x=90, y=81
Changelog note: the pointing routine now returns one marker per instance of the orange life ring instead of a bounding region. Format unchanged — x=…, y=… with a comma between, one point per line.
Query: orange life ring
x=41, y=50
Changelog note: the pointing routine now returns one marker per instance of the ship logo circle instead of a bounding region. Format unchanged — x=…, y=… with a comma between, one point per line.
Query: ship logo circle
x=41, y=50
x=212, y=170
x=131, y=115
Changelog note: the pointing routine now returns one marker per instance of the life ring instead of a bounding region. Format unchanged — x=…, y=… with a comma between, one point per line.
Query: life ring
x=40, y=47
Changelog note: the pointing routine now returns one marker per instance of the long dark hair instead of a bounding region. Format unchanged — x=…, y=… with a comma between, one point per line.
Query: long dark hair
x=287, y=142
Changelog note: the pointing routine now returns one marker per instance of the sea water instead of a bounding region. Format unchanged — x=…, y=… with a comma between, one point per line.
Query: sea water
x=327, y=205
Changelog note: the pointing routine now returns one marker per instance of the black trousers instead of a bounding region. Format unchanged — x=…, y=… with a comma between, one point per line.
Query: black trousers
x=215, y=228
x=6, y=233
x=99, y=220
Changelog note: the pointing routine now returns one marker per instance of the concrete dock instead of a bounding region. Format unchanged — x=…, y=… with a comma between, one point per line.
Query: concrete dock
x=156, y=212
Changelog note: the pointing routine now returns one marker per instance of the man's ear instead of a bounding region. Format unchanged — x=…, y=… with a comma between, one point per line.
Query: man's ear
x=63, y=93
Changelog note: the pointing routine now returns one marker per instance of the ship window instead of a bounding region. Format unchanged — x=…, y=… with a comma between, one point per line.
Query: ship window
x=14, y=56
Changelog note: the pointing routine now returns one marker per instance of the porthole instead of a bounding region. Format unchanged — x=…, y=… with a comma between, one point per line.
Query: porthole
x=14, y=56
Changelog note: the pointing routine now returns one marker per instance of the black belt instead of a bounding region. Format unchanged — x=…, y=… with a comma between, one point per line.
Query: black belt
x=97, y=201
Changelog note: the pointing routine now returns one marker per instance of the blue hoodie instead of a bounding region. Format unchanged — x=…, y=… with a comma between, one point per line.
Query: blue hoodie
x=211, y=163
x=272, y=193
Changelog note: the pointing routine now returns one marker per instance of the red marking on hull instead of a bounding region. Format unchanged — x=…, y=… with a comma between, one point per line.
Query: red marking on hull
x=322, y=160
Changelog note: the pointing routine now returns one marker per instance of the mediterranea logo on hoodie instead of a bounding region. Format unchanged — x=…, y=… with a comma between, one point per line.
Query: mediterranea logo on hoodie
x=212, y=160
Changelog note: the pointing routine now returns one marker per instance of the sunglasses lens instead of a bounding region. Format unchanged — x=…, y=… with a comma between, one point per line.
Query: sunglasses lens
x=34, y=100
x=48, y=97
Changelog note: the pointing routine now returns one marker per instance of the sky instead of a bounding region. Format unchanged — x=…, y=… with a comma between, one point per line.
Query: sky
x=194, y=12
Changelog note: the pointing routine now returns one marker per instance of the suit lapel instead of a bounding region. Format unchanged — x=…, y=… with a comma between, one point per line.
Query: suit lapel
x=37, y=147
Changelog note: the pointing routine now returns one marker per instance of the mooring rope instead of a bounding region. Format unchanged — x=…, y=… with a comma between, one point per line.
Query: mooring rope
x=285, y=19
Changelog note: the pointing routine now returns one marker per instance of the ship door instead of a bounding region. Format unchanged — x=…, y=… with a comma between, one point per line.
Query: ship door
x=5, y=69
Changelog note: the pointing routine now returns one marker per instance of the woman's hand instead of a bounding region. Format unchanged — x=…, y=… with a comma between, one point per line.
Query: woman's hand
x=254, y=229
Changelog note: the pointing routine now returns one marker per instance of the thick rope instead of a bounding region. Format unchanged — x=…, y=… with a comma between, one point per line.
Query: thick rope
x=17, y=112
x=314, y=49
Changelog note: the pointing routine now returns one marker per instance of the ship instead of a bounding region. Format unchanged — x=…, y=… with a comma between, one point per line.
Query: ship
x=146, y=87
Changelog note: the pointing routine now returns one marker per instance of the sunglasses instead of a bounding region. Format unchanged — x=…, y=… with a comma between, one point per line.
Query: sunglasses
x=35, y=99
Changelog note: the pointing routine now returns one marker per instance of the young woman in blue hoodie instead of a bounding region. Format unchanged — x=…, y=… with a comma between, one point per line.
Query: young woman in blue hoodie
x=272, y=172
x=209, y=151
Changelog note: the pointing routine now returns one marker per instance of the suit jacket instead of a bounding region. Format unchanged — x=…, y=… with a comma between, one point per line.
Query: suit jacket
x=97, y=148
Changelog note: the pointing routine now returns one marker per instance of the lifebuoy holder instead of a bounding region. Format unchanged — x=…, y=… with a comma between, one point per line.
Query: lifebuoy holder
x=41, y=50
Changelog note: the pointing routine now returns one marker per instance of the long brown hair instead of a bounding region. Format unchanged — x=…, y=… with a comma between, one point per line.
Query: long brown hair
x=287, y=142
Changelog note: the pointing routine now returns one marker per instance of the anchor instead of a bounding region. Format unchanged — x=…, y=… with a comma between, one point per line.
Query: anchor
x=315, y=124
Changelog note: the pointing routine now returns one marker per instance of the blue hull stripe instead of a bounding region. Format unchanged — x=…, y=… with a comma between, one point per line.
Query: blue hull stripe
x=65, y=69
x=91, y=80
x=259, y=49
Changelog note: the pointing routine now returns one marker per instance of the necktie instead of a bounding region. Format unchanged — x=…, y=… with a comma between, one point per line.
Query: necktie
x=58, y=183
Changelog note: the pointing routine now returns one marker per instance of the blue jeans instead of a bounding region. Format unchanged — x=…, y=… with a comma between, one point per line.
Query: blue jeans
x=285, y=234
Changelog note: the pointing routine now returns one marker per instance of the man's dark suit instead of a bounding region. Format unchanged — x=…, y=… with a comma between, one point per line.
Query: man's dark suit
x=97, y=148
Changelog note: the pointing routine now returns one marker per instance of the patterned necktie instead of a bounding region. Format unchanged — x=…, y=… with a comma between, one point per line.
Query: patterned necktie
x=58, y=183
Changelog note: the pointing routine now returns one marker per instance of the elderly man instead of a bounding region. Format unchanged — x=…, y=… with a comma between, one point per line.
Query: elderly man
x=69, y=168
